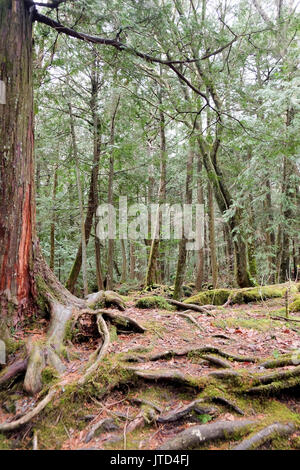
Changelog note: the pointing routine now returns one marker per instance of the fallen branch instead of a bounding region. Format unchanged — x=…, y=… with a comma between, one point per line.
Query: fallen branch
x=103, y=425
x=266, y=435
x=195, y=436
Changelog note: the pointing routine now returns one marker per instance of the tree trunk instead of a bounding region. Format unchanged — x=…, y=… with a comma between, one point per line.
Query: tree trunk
x=151, y=275
x=52, y=228
x=124, y=261
x=92, y=201
x=200, y=200
x=110, y=253
x=17, y=214
x=182, y=245
x=80, y=199
x=212, y=237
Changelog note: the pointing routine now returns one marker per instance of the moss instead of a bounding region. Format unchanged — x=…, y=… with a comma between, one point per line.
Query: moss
x=240, y=296
x=113, y=333
x=249, y=323
x=49, y=375
x=295, y=305
x=153, y=302
x=212, y=297
x=4, y=443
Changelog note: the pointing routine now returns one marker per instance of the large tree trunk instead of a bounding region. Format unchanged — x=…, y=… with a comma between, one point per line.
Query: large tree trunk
x=17, y=214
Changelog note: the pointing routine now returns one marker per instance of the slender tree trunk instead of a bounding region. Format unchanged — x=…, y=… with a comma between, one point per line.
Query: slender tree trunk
x=200, y=200
x=110, y=253
x=287, y=190
x=151, y=274
x=212, y=237
x=93, y=190
x=52, y=228
x=124, y=261
x=80, y=199
x=132, y=260
x=182, y=244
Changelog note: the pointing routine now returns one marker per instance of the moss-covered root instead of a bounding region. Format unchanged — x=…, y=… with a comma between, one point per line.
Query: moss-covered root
x=18, y=367
x=103, y=299
x=196, y=436
x=46, y=354
x=195, y=407
x=104, y=333
x=266, y=435
x=276, y=382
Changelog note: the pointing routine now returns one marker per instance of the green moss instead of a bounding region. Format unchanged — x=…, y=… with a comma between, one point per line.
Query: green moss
x=234, y=322
x=295, y=305
x=212, y=297
x=4, y=443
x=113, y=333
x=49, y=375
x=153, y=302
x=240, y=296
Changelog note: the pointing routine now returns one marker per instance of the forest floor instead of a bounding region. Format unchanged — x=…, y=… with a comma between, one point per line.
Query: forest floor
x=241, y=330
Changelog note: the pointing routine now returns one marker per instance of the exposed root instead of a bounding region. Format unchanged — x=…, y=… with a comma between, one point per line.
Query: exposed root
x=140, y=401
x=122, y=322
x=104, y=333
x=225, y=401
x=190, y=318
x=190, y=351
x=217, y=361
x=189, y=411
x=103, y=425
x=278, y=376
x=104, y=299
x=166, y=375
x=47, y=353
x=266, y=435
x=281, y=362
x=197, y=308
x=196, y=436
x=13, y=425
x=18, y=367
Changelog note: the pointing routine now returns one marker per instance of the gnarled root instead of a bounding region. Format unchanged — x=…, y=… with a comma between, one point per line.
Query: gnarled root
x=104, y=299
x=6, y=427
x=266, y=435
x=196, y=407
x=196, y=436
x=13, y=370
x=47, y=353
x=169, y=354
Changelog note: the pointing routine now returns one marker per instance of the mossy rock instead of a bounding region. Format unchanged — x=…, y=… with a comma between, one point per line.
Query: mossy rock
x=153, y=302
x=211, y=297
x=240, y=296
x=256, y=294
x=295, y=305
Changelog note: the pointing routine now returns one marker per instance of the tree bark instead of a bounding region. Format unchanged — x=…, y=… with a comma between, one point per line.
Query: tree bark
x=80, y=199
x=17, y=215
x=182, y=244
x=93, y=190
x=52, y=228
